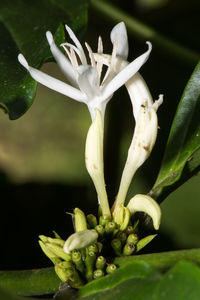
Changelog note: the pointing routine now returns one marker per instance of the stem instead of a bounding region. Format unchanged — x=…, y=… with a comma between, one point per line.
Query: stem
x=143, y=32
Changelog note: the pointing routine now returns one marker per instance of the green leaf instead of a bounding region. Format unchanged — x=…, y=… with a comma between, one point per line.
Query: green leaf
x=180, y=282
x=182, y=154
x=23, y=24
x=30, y=282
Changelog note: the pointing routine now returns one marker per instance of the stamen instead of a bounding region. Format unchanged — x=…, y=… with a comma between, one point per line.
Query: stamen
x=77, y=43
x=91, y=55
x=78, y=52
x=100, y=51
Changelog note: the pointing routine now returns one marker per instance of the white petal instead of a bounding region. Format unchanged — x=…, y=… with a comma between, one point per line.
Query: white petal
x=77, y=43
x=119, y=35
x=147, y=205
x=143, y=140
x=139, y=93
x=61, y=60
x=52, y=83
x=129, y=71
x=87, y=81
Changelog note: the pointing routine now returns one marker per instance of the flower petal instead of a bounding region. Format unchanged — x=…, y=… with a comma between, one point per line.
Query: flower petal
x=61, y=60
x=119, y=36
x=87, y=81
x=143, y=140
x=52, y=83
x=147, y=205
x=139, y=93
x=130, y=70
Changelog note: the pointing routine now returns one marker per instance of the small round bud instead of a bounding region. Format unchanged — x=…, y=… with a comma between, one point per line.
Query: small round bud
x=111, y=268
x=100, y=230
x=98, y=274
x=110, y=227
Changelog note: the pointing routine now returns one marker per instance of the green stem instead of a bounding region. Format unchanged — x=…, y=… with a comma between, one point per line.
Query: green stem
x=143, y=32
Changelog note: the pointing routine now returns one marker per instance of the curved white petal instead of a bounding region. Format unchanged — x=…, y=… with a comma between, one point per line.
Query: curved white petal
x=147, y=205
x=119, y=35
x=130, y=70
x=77, y=43
x=61, y=60
x=143, y=140
x=139, y=93
x=52, y=83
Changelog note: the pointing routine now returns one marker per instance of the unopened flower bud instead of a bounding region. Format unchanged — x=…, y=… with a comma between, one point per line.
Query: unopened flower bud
x=80, y=240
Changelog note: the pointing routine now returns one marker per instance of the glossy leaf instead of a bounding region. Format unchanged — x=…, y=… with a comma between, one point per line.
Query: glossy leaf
x=182, y=154
x=23, y=24
x=180, y=282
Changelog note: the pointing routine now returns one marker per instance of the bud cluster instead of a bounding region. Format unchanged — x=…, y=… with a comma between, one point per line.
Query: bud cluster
x=94, y=260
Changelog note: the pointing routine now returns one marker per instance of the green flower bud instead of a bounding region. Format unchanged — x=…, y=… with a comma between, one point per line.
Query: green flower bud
x=67, y=273
x=116, y=244
x=100, y=230
x=58, y=251
x=80, y=220
x=100, y=246
x=77, y=260
x=110, y=227
x=103, y=220
x=51, y=255
x=122, y=236
x=129, y=229
x=93, y=248
x=56, y=241
x=89, y=263
x=100, y=262
x=92, y=220
x=128, y=249
x=132, y=238
x=122, y=216
x=111, y=268
x=98, y=274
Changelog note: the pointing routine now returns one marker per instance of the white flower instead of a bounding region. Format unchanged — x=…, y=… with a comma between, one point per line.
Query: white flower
x=144, y=111
x=85, y=79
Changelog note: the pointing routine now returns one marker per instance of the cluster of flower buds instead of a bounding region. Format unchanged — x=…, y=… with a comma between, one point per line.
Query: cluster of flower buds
x=89, y=253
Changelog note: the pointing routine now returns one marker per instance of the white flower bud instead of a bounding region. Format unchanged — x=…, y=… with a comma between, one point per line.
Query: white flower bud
x=80, y=240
